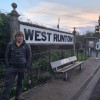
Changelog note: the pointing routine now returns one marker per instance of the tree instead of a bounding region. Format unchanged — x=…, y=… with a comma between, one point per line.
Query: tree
x=80, y=41
x=4, y=33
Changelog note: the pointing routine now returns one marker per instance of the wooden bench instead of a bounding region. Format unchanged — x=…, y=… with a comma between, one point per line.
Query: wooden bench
x=64, y=65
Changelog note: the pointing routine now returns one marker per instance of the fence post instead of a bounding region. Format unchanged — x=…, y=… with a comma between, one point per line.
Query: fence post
x=62, y=54
x=14, y=23
x=74, y=33
x=77, y=51
x=49, y=60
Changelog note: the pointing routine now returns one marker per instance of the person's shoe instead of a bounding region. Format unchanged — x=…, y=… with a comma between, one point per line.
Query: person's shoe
x=19, y=98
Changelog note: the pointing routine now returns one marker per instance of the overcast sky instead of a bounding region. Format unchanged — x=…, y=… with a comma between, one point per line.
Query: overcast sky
x=82, y=14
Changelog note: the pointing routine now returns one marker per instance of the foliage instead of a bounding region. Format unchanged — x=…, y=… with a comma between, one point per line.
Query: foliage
x=55, y=56
x=78, y=45
x=82, y=38
x=89, y=34
x=67, y=53
x=40, y=63
x=4, y=33
x=81, y=55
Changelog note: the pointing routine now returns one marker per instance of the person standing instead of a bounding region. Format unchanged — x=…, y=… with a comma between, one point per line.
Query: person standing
x=17, y=60
x=97, y=49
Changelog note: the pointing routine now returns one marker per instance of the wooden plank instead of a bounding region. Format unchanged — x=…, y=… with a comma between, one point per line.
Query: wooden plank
x=61, y=62
x=56, y=63
x=65, y=69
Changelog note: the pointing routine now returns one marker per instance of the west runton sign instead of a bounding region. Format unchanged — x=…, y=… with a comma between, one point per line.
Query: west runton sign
x=39, y=35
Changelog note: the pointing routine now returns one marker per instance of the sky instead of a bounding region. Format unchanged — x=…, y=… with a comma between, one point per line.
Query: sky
x=82, y=14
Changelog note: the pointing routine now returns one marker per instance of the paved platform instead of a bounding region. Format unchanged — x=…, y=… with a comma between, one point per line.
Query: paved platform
x=80, y=86
x=96, y=92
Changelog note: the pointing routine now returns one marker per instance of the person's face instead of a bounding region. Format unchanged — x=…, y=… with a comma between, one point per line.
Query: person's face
x=19, y=38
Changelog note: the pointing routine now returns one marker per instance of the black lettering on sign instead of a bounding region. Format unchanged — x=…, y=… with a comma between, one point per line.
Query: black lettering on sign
x=65, y=38
x=28, y=34
x=62, y=38
x=55, y=38
x=58, y=38
x=68, y=38
x=43, y=36
x=48, y=36
x=37, y=35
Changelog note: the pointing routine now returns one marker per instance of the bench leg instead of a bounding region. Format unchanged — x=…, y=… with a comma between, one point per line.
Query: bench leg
x=55, y=75
x=65, y=76
x=80, y=68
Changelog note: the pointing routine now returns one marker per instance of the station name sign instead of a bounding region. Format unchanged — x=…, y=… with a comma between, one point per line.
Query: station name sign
x=35, y=35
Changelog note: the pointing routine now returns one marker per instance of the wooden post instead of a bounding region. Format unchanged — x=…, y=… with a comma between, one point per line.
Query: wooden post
x=74, y=33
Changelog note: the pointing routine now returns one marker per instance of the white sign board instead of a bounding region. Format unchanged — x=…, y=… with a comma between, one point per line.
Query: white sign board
x=35, y=35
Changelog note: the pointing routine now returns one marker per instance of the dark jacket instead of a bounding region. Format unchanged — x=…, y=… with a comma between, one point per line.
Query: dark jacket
x=15, y=55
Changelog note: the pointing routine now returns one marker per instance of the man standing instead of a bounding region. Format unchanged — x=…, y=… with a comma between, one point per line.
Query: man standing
x=17, y=59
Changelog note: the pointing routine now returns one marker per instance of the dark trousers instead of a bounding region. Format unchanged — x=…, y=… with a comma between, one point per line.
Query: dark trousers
x=10, y=76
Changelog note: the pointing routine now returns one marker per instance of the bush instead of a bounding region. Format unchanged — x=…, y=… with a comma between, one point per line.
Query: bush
x=44, y=77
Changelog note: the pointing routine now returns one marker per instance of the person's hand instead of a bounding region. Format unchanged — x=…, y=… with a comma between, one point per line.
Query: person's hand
x=26, y=70
x=29, y=82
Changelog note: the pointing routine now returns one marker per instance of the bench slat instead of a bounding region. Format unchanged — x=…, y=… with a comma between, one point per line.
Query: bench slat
x=61, y=62
x=70, y=66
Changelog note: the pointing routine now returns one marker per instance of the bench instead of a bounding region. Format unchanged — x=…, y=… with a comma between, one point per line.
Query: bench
x=64, y=65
